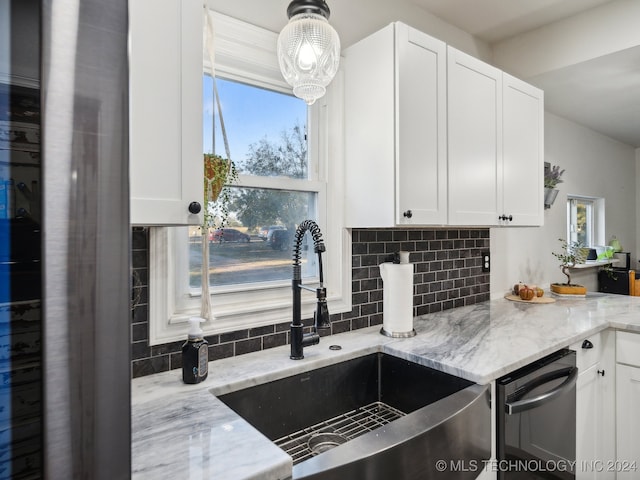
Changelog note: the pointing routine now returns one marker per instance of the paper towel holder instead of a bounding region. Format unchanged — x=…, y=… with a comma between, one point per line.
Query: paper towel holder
x=412, y=333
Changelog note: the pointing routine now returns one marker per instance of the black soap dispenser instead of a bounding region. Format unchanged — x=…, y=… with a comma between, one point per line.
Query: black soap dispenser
x=195, y=354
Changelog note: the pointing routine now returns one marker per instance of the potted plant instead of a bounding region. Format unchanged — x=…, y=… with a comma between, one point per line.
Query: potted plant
x=552, y=177
x=572, y=254
x=218, y=174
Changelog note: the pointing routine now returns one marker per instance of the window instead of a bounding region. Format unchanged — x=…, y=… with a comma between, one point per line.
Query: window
x=585, y=220
x=268, y=142
x=288, y=171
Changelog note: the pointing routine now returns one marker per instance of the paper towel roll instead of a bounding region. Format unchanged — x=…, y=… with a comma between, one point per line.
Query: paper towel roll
x=397, y=300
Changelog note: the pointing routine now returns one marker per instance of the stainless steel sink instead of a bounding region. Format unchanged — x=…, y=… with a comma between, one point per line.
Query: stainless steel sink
x=373, y=417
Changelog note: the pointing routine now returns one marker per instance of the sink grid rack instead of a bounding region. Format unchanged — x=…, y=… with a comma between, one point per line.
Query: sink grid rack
x=348, y=425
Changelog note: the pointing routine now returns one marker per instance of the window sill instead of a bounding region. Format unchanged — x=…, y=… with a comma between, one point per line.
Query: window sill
x=596, y=263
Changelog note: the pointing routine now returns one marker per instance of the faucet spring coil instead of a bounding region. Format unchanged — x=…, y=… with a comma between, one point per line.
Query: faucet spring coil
x=316, y=234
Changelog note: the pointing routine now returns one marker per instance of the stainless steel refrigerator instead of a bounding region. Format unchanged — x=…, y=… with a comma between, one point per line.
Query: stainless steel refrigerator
x=64, y=240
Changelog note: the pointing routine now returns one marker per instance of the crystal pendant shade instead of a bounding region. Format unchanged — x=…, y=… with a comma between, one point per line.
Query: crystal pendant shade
x=309, y=55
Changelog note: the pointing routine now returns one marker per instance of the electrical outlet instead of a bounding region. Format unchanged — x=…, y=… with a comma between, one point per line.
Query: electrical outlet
x=486, y=262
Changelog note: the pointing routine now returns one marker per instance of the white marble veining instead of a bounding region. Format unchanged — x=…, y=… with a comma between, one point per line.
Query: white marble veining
x=183, y=431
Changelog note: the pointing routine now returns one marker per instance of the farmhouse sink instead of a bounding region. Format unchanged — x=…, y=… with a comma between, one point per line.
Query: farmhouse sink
x=374, y=417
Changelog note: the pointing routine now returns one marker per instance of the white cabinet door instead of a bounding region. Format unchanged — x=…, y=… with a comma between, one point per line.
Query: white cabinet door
x=627, y=421
x=421, y=157
x=523, y=152
x=395, y=141
x=595, y=406
x=474, y=140
x=594, y=425
x=587, y=414
x=165, y=98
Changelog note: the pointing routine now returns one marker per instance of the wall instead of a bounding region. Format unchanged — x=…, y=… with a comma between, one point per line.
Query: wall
x=607, y=29
x=595, y=166
x=447, y=275
x=355, y=19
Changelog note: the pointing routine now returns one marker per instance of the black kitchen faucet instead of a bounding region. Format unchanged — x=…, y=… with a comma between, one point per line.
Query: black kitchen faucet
x=299, y=340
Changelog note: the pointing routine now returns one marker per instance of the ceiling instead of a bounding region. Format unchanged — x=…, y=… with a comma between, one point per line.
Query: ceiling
x=495, y=20
x=602, y=94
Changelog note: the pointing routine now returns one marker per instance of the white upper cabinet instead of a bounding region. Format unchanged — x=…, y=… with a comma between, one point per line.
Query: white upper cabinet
x=165, y=98
x=523, y=152
x=395, y=129
x=496, y=145
x=475, y=140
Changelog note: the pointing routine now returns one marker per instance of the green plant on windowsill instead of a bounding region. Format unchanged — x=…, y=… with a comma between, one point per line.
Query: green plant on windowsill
x=572, y=253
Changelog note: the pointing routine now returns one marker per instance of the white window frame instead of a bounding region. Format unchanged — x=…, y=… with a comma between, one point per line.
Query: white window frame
x=247, y=53
x=595, y=219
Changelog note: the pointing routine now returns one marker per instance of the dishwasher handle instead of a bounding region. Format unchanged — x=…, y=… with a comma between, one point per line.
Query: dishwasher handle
x=514, y=406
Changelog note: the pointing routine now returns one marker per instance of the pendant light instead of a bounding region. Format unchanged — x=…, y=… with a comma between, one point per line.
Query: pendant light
x=308, y=49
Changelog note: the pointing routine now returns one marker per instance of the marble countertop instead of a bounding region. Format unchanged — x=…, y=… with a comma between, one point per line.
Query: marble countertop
x=184, y=431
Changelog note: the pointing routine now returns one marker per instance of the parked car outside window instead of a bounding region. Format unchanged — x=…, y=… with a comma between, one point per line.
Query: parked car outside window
x=266, y=231
x=280, y=239
x=228, y=235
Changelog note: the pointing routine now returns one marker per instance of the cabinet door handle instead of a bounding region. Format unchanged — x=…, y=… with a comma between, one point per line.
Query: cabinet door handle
x=195, y=207
x=408, y=214
x=504, y=217
x=600, y=372
x=587, y=344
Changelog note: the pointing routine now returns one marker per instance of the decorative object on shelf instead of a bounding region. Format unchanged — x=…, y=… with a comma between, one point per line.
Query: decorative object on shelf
x=552, y=177
x=572, y=254
x=308, y=49
x=615, y=243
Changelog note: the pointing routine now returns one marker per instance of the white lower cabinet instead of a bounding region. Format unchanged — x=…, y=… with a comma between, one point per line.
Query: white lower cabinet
x=595, y=407
x=627, y=405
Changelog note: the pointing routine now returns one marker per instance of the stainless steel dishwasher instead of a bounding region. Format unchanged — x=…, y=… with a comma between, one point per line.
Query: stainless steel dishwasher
x=536, y=419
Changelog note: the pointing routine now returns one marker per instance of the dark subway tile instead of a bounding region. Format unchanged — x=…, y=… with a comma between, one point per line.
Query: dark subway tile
x=233, y=336
x=224, y=350
x=360, y=322
x=139, y=332
x=384, y=235
x=341, y=327
x=248, y=346
x=275, y=340
x=149, y=366
x=140, y=314
x=259, y=331
x=140, y=350
x=400, y=236
x=375, y=320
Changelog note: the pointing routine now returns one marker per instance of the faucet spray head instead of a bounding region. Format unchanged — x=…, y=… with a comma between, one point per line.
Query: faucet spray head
x=321, y=315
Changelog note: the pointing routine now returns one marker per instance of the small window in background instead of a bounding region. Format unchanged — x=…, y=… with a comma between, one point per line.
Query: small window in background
x=268, y=143
x=585, y=220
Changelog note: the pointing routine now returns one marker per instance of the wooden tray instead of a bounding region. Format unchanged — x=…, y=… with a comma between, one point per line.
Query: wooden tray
x=516, y=298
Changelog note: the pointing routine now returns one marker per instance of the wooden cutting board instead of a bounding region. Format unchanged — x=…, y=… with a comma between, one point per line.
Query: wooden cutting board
x=516, y=298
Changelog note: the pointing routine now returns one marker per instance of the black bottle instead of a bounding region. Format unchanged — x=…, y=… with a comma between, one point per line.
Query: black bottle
x=195, y=354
